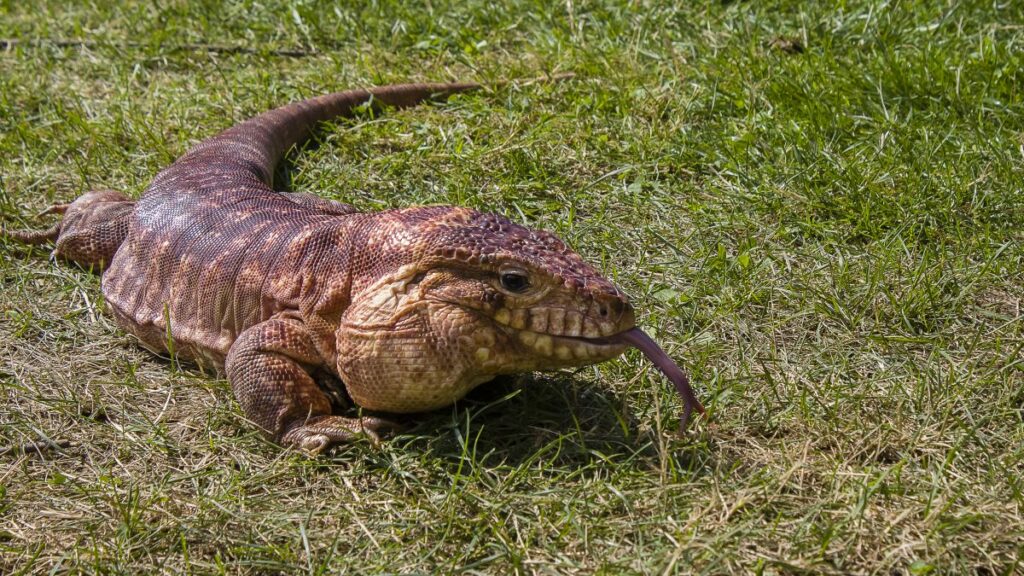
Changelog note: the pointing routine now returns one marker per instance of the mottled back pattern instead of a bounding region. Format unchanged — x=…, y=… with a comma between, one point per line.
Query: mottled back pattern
x=201, y=254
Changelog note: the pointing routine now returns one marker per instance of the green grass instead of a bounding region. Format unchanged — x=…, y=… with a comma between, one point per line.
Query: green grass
x=831, y=241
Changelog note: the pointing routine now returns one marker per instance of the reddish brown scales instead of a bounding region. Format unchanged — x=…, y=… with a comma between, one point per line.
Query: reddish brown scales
x=410, y=308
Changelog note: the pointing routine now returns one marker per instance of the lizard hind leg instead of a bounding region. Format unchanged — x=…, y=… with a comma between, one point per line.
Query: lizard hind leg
x=33, y=237
x=36, y=237
x=92, y=228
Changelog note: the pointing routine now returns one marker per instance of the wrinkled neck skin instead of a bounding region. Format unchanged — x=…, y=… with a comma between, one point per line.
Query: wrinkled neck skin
x=401, y=351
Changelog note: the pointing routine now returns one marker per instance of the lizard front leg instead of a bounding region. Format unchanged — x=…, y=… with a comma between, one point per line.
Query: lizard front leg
x=269, y=368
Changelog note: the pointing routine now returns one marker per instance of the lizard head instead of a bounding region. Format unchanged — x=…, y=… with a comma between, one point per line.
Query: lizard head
x=510, y=298
x=548, y=307
x=451, y=297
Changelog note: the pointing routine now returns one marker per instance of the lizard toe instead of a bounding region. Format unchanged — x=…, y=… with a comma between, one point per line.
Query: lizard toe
x=316, y=435
x=315, y=444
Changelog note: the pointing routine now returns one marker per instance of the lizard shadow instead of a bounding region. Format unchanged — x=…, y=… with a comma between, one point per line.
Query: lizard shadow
x=570, y=422
x=567, y=421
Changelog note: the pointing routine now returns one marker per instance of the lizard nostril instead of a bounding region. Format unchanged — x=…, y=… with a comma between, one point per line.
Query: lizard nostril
x=618, y=311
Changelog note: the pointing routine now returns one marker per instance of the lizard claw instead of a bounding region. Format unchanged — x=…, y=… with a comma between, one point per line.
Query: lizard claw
x=316, y=435
x=315, y=444
x=54, y=209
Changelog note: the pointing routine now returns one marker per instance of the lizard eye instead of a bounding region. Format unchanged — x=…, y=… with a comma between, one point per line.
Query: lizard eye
x=514, y=280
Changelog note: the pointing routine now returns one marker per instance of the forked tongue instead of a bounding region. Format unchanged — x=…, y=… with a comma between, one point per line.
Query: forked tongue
x=635, y=337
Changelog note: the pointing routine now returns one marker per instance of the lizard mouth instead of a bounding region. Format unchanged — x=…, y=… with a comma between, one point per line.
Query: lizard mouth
x=579, y=351
x=572, y=349
x=589, y=350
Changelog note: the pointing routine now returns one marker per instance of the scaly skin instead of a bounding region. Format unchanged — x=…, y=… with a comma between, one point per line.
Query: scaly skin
x=289, y=293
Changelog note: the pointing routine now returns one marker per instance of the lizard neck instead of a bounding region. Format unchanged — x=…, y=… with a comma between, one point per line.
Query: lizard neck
x=313, y=279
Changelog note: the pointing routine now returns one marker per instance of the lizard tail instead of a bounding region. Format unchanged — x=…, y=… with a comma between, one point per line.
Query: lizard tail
x=259, y=143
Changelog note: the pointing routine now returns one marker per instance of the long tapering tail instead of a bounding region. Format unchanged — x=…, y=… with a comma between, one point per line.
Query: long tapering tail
x=259, y=143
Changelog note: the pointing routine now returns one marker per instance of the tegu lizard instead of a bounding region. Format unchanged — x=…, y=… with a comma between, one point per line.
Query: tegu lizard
x=404, y=310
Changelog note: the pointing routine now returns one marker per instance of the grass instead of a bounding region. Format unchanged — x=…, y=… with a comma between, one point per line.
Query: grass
x=830, y=240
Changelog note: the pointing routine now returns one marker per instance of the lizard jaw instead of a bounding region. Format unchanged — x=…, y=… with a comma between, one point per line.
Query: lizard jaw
x=572, y=350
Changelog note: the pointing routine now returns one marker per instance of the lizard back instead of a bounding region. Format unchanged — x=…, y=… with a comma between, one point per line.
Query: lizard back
x=197, y=264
